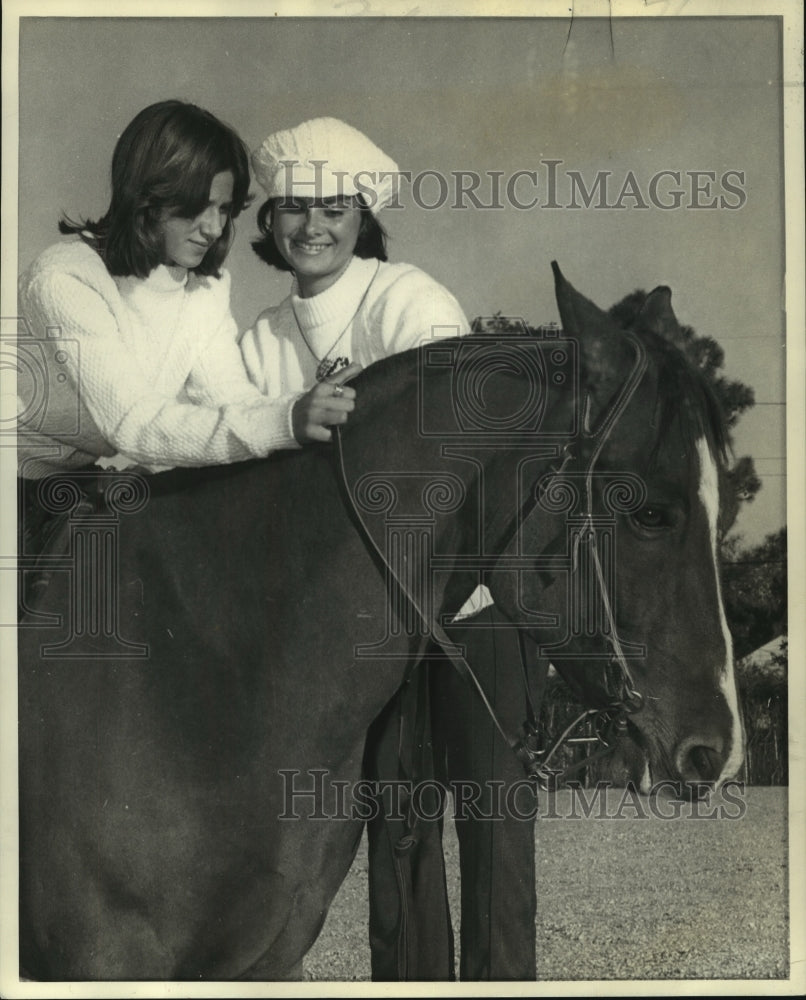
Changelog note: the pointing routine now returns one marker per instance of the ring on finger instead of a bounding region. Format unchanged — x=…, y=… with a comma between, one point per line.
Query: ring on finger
x=338, y=390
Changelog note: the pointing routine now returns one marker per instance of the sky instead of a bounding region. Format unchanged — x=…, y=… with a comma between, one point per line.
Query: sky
x=615, y=102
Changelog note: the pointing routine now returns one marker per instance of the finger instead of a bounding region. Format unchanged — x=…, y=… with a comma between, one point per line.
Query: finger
x=334, y=404
x=316, y=432
x=328, y=392
x=345, y=374
x=330, y=417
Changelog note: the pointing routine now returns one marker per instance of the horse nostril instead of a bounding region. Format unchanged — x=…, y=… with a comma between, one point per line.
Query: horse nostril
x=697, y=762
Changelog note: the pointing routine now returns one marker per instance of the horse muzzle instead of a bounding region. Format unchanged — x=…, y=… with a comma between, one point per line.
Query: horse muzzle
x=698, y=762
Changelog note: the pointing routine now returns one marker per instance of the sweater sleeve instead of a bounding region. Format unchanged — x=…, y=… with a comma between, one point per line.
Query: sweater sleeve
x=130, y=414
x=219, y=375
x=260, y=355
x=415, y=310
x=252, y=359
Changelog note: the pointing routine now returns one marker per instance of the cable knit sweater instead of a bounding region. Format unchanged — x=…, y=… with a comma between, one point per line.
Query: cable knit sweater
x=374, y=310
x=149, y=368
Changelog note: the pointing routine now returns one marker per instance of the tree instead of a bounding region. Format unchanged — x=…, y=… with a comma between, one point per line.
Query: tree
x=755, y=591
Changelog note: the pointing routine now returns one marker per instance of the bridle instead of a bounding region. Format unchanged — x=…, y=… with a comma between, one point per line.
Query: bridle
x=609, y=724
x=623, y=697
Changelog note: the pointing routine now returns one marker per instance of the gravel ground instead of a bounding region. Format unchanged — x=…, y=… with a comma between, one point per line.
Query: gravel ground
x=627, y=897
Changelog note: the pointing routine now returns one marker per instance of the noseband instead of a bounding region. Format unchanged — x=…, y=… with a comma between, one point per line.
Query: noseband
x=623, y=696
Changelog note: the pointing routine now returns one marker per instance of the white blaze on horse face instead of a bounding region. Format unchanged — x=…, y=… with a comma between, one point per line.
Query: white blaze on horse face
x=709, y=497
x=646, y=779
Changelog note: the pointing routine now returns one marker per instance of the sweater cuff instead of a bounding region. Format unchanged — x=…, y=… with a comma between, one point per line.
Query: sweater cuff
x=264, y=426
x=290, y=416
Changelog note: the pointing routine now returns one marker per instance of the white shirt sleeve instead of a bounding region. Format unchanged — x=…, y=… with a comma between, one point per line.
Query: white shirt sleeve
x=129, y=413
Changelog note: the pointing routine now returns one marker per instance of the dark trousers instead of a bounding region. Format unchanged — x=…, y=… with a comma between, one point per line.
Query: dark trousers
x=410, y=933
x=496, y=829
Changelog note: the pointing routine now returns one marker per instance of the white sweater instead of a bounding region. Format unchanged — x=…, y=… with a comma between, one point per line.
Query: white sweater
x=149, y=368
x=374, y=310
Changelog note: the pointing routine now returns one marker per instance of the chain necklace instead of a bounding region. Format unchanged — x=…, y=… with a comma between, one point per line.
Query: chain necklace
x=328, y=365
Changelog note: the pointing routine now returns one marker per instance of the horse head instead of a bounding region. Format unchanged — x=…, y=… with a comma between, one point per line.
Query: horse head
x=618, y=576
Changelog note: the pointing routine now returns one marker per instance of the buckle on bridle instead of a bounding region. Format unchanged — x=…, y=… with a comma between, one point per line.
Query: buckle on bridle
x=622, y=693
x=530, y=746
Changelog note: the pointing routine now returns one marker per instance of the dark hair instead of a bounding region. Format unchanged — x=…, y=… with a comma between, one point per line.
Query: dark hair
x=371, y=240
x=165, y=160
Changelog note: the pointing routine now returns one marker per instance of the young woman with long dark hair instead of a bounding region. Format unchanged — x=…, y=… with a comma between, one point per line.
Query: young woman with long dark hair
x=137, y=349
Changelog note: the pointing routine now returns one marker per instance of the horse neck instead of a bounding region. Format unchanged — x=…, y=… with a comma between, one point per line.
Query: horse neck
x=466, y=490
x=403, y=486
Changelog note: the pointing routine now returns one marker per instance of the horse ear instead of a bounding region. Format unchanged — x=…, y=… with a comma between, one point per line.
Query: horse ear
x=578, y=315
x=657, y=315
x=601, y=341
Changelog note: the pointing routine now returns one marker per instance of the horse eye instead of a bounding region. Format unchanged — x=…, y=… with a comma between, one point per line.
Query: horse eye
x=652, y=517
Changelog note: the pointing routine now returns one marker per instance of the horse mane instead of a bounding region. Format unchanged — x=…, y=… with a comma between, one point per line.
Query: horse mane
x=686, y=403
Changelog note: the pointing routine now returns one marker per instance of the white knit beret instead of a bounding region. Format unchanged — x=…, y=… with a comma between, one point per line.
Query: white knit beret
x=324, y=158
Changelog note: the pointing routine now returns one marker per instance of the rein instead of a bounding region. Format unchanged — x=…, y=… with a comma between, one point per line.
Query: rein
x=608, y=723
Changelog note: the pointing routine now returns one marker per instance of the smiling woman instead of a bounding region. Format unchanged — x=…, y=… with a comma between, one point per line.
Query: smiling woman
x=349, y=307
x=317, y=239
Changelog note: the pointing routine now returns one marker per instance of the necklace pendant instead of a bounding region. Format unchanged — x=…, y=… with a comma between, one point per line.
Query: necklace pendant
x=330, y=366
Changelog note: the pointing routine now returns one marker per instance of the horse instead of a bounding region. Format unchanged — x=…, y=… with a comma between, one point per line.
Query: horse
x=197, y=680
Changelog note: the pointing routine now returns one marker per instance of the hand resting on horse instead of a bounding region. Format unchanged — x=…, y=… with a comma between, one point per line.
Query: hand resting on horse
x=326, y=404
